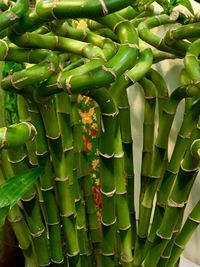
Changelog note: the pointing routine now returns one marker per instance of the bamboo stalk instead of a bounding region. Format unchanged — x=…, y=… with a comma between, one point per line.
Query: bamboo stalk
x=176, y=201
x=66, y=9
x=12, y=15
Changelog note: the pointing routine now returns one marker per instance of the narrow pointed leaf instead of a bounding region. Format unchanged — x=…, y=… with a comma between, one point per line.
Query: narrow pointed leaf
x=13, y=189
x=3, y=213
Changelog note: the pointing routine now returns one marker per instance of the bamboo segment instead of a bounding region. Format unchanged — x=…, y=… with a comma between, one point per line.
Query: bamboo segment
x=47, y=188
x=176, y=202
x=16, y=135
x=66, y=9
x=11, y=16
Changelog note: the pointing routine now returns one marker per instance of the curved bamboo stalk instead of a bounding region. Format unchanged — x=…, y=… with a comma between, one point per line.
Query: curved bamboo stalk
x=48, y=10
x=12, y=15
x=156, y=41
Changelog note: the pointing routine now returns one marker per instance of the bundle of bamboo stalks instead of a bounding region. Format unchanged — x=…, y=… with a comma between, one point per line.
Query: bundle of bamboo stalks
x=96, y=48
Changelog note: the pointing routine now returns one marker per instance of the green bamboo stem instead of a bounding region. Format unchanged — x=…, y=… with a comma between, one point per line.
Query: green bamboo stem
x=127, y=143
x=185, y=79
x=84, y=34
x=154, y=40
x=18, y=223
x=26, y=77
x=160, y=147
x=106, y=152
x=57, y=43
x=16, y=134
x=47, y=187
x=63, y=169
x=18, y=160
x=191, y=61
x=176, y=202
x=65, y=9
x=186, y=232
x=148, y=142
x=161, y=89
x=122, y=209
x=12, y=15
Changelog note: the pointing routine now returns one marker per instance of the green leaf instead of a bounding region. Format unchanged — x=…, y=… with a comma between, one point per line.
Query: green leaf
x=185, y=3
x=3, y=213
x=13, y=189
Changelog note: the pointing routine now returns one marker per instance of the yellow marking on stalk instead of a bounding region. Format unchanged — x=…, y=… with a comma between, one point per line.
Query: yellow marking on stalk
x=54, y=3
x=110, y=114
x=55, y=223
x=110, y=70
x=58, y=83
x=107, y=156
x=108, y=194
x=17, y=219
x=68, y=149
x=66, y=215
x=17, y=81
x=74, y=254
x=7, y=48
x=173, y=204
x=57, y=262
x=32, y=196
x=68, y=85
x=109, y=224
x=104, y=8
x=17, y=161
x=118, y=23
x=47, y=189
x=41, y=154
x=13, y=16
x=31, y=128
x=63, y=179
x=119, y=155
x=178, y=245
x=3, y=138
x=38, y=234
x=53, y=137
x=194, y=220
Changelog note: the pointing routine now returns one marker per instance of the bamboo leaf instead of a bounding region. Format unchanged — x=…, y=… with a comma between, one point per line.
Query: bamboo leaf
x=3, y=213
x=13, y=189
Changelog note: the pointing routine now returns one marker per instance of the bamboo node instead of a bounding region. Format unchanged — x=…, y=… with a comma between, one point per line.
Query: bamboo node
x=17, y=161
x=118, y=23
x=124, y=228
x=104, y=8
x=57, y=262
x=58, y=83
x=108, y=194
x=75, y=253
x=68, y=85
x=66, y=215
x=7, y=48
x=174, y=204
x=108, y=224
x=63, y=179
x=107, y=156
x=119, y=155
x=47, y=189
x=110, y=70
x=38, y=234
x=110, y=114
x=17, y=81
x=3, y=137
x=52, y=9
x=194, y=220
x=53, y=223
x=13, y=16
